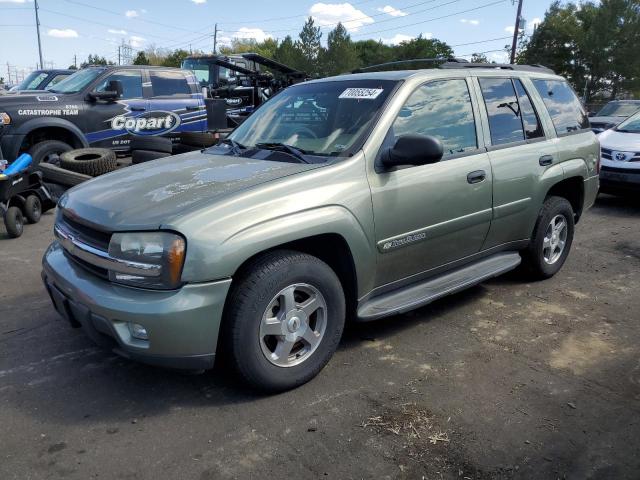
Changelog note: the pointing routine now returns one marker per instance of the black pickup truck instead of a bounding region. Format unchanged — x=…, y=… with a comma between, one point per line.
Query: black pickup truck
x=101, y=107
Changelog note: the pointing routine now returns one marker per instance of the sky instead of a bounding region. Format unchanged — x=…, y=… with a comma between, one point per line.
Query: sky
x=81, y=27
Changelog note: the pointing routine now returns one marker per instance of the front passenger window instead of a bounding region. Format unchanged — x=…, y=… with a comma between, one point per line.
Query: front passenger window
x=131, y=81
x=441, y=109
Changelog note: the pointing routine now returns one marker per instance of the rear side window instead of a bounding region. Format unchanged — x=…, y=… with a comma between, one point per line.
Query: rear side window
x=563, y=106
x=169, y=84
x=503, y=110
x=530, y=120
x=441, y=109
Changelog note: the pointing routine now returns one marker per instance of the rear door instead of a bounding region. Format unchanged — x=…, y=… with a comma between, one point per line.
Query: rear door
x=176, y=93
x=430, y=215
x=110, y=124
x=519, y=151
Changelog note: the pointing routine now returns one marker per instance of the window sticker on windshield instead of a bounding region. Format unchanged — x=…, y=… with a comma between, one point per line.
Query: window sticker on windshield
x=362, y=93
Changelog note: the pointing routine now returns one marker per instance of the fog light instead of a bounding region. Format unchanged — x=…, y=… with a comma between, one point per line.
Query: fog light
x=138, y=331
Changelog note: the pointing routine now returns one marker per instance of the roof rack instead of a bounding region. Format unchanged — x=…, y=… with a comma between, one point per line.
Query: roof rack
x=499, y=66
x=382, y=66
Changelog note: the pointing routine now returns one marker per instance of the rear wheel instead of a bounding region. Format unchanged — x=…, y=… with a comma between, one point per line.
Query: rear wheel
x=33, y=208
x=48, y=151
x=14, y=222
x=284, y=321
x=552, y=238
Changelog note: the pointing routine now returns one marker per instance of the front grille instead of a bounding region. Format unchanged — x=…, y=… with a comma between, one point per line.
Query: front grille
x=607, y=154
x=100, y=272
x=90, y=236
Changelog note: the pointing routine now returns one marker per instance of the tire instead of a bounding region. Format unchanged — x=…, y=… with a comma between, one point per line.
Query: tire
x=542, y=259
x=14, y=222
x=62, y=176
x=253, y=353
x=33, y=209
x=48, y=151
x=142, y=156
x=89, y=161
x=151, y=143
x=198, y=139
x=55, y=190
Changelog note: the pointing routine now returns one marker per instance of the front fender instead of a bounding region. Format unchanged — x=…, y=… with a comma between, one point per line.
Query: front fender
x=225, y=259
x=44, y=122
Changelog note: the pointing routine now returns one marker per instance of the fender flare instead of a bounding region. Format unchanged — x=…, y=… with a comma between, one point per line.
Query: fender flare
x=30, y=125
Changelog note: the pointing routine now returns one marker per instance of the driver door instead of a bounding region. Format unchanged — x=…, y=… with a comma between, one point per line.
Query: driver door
x=429, y=215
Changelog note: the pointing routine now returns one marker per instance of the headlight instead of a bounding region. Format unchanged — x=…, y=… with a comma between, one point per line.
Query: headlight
x=5, y=119
x=157, y=256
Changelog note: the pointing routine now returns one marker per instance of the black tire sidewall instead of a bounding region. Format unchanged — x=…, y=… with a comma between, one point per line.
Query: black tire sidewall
x=252, y=298
x=32, y=216
x=152, y=144
x=40, y=150
x=553, y=206
x=105, y=161
x=14, y=222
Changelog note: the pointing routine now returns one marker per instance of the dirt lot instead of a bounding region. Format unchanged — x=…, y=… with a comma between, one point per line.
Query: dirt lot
x=506, y=380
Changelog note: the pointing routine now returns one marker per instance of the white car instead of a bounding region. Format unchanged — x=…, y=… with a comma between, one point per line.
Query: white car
x=620, y=157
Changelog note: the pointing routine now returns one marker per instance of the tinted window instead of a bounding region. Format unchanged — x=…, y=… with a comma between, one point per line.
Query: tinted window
x=57, y=79
x=441, y=109
x=530, y=120
x=131, y=83
x=563, y=105
x=503, y=110
x=167, y=84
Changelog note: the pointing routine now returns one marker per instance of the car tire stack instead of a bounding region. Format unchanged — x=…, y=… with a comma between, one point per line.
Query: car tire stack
x=145, y=149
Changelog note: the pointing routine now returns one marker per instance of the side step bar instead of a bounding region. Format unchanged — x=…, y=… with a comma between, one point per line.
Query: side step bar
x=419, y=294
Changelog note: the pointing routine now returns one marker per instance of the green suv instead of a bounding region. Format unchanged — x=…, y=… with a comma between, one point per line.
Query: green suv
x=359, y=196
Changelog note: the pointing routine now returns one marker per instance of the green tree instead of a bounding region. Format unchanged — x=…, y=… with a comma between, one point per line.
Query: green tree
x=141, y=59
x=95, y=60
x=479, y=58
x=290, y=54
x=592, y=45
x=421, y=47
x=341, y=55
x=310, y=46
x=372, y=52
x=175, y=58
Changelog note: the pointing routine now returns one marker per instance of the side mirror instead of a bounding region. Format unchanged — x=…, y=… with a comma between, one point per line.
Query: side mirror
x=413, y=149
x=111, y=93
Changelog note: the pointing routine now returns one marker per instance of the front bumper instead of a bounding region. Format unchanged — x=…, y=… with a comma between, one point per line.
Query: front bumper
x=182, y=325
x=617, y=178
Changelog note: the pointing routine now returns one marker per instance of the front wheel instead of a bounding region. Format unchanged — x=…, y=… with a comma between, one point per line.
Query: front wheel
x=284, y=321
x=551, y=240
x=48, y=151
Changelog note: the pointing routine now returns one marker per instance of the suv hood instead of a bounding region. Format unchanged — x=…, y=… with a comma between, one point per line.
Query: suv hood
x=620, y=141
x=153, y=194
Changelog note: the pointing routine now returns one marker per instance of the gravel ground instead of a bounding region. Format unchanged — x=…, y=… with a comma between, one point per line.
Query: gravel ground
x=506, y=380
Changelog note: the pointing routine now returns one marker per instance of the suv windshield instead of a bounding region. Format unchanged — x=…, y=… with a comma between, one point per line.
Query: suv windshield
x=319, y=118
x=630, y=125
x=619, y=109
x=32, y=81
x=77, y=81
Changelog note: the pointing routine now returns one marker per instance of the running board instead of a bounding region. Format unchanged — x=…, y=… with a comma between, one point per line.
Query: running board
x=419, y=294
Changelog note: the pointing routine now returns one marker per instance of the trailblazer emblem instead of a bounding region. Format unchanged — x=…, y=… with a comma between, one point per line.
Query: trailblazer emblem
x=151, y=123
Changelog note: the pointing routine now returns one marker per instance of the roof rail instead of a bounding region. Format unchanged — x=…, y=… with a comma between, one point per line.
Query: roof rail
x=382, y=66
x=499, y=66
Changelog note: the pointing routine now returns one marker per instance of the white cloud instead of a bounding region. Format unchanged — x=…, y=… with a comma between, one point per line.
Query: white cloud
x=510, y=29
x=13, y=1
x=394, y=12
x=329, y=14
x=62, y=33
x=400, y=37
x=131, y=14
x=470, y=22
x=498, y=57
x=117, y=32
x=199, y=2
x=531, y=25
x=136, y=42
x=256, y=34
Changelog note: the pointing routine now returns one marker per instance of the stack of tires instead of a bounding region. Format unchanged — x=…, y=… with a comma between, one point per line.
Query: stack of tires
x=77, y=166
x=144, y=149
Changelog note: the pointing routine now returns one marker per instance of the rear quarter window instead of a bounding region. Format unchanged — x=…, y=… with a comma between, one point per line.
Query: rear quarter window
x=566, y=112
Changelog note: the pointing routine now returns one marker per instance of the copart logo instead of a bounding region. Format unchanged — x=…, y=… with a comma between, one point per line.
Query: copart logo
x=150, y=123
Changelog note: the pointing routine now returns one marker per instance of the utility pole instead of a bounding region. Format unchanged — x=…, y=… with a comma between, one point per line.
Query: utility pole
x=35, y=5
x=118, y=54
x=75, y=60
x=515, y=33
x=215, y=39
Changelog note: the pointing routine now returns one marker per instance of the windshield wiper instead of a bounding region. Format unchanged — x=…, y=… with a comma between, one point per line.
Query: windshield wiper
x=235, y=146
x=283, y=147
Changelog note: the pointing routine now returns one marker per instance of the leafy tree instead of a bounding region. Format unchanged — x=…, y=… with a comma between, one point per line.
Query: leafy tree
x=310, y=46
x=95, y=60
x=479, y=58
x=175, y=58
x=141, y=59
x=289, y=54
x=593, y=45
x=341, y=55
x=421, y=47
x=72, y=67
x=372, y=52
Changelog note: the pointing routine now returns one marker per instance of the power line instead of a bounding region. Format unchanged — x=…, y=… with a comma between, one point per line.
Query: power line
x=432, y=19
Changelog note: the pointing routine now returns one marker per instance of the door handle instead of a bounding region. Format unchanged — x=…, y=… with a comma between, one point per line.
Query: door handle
x=138, y=109
x=477, y=176
x=545, y=160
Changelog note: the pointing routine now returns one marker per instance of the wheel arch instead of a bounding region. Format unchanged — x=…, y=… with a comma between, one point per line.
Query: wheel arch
x=571, y=188
x=41, y=129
